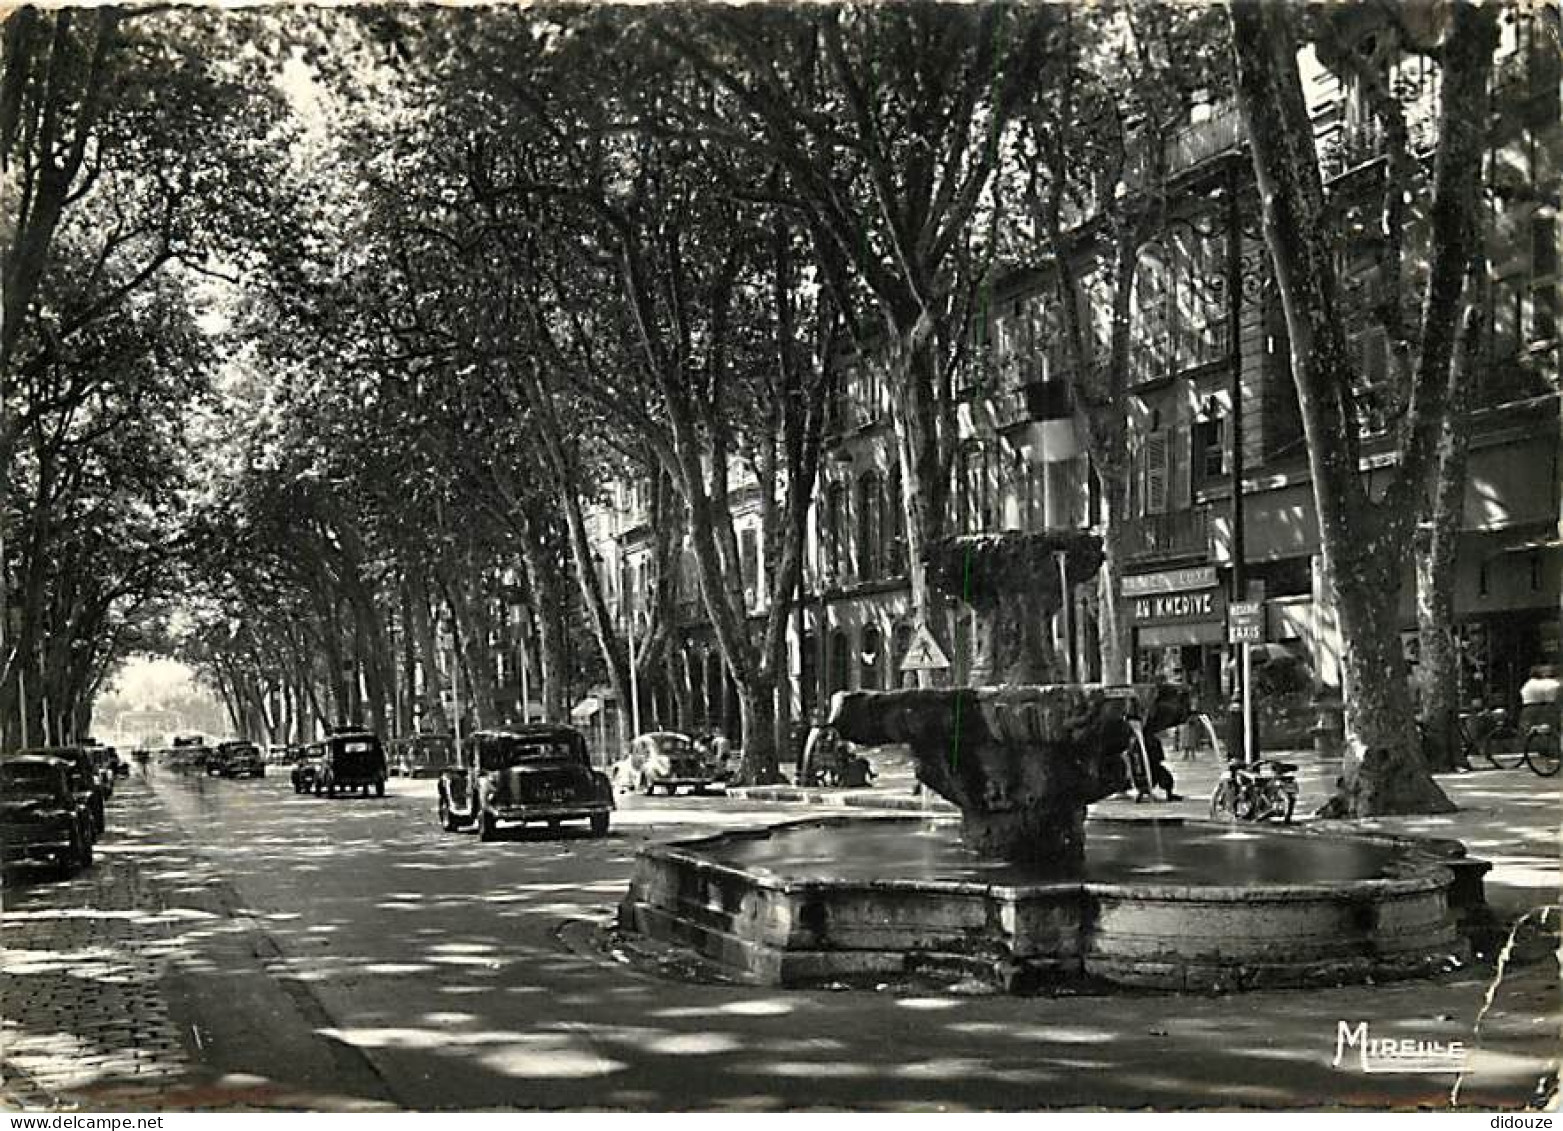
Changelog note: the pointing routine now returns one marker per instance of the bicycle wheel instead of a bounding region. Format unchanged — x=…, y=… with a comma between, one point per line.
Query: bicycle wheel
x=1503, y=746
x=1541, y=751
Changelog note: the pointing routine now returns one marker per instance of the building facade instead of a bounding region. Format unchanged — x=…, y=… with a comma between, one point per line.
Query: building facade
x=1211, y=402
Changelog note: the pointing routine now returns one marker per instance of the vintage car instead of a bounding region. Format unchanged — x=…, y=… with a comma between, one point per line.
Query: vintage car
x=103, y=767
x=236, y=760
x=306, y=768
x=82, y=777
x=422, y=755
x=40, y=816
x=188, y=753
x=349, y=760
x=535, y=773
x=668, y=759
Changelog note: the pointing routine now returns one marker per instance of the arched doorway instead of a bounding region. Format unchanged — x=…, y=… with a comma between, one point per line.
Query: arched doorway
x=839, y=675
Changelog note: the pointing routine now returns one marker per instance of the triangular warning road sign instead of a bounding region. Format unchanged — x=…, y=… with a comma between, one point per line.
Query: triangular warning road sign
x=924, y=655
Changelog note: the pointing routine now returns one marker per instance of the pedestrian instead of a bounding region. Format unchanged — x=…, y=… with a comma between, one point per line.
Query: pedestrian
x=857, y=773
x=820, y=752
x=1539, y=697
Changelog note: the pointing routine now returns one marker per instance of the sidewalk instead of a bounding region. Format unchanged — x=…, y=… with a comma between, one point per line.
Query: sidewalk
x=1510, y=818
x=140, y=983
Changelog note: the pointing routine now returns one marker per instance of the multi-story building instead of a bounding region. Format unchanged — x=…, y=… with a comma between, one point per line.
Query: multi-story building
x=1210, y=352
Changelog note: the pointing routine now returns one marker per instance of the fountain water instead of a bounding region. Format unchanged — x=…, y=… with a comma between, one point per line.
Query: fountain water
x=1025, y=890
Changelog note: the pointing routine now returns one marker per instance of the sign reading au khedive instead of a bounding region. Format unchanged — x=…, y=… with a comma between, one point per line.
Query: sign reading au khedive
x=1180, y=608
x=924, y=655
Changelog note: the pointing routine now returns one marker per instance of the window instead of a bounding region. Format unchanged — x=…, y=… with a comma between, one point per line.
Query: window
x=976, y=490
x=1209, y=449
x=870, y=659
x=869, y=525
x=749, y=559
x=835, y=533
x=900, y=645
x=894, y=521
x=838, y=676
x=1544, y=279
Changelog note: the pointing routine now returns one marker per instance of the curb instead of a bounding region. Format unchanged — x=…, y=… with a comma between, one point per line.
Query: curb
x=853, y=800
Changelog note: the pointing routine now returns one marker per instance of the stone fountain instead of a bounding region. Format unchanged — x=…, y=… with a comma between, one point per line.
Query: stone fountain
x=1030, y=893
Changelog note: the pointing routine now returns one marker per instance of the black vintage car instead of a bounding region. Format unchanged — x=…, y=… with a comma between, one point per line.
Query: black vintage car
x=236, y=760
x=348, y=760
x=40, y=816
x=84, y=779
x=538, y=773
x=306, y=767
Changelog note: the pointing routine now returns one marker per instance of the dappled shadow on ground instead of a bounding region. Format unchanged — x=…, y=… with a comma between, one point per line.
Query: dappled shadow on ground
x=440, y=958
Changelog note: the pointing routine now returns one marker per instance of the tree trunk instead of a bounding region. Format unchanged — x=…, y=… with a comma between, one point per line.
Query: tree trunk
x=1439, y=666
x=1363, y=541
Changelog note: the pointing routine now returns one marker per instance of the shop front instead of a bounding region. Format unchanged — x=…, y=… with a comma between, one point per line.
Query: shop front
x=1179, y=623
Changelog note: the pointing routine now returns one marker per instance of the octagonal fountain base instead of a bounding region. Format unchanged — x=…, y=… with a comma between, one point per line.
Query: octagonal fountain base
x=1163, y=904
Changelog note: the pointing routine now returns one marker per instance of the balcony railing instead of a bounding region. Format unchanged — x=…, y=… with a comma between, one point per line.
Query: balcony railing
x=1175, y=534
x=1035, y=400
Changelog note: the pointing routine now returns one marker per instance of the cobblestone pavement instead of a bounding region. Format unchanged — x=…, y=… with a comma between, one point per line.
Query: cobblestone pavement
x=80, y=965
x=141, y=983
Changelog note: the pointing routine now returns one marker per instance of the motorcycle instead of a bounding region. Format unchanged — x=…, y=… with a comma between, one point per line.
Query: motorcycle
x=1265, y=791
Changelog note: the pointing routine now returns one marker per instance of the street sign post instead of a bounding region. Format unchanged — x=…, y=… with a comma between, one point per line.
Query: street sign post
x=1246, y=627
x=924, y=655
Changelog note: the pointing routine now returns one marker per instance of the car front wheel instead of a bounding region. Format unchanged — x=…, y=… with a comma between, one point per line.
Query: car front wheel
x=379, y=787
x=599, y=824
x=447, y=816
x=488, y=826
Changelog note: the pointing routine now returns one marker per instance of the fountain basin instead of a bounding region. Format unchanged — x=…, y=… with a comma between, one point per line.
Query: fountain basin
x=1164, y=904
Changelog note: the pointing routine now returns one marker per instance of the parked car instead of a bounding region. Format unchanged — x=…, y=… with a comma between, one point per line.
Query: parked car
x=535, y=773
x=103, y=768
x=40, y=816
x=237, y=760
x=668, y=759
x=422, y=755
x=348, y=760
x=121, y=763
x=82, y=777
x=306, y=769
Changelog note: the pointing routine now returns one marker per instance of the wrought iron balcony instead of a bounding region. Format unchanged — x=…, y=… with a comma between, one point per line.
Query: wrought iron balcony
x=1164, y=537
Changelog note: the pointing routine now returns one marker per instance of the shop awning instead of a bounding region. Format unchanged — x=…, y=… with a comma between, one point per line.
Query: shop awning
x=586, y=708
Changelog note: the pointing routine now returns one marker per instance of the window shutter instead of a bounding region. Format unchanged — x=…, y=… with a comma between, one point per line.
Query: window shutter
x=1157, y=472
x=1183, y=457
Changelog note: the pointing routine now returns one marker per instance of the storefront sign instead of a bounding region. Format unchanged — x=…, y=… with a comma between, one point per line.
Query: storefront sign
x=1180, y=608
x=1171, y=581
x=1246, y=623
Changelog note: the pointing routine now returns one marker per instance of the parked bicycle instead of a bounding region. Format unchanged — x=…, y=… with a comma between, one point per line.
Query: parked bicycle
x=1490, y=733
x=1541, y=750
x=1264, y=791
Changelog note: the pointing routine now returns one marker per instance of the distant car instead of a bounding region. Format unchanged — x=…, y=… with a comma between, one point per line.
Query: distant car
x=349, y=760
x=121, y=766
x=422, y=755
x=305, y=774
x=40, y=816
x=535, y=774
x=237, y=760
x=668, y=759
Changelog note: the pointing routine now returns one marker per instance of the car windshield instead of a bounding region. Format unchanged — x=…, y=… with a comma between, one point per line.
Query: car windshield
x=669, y=743
x=358, y=744
x=498, y=754
x=27, y=779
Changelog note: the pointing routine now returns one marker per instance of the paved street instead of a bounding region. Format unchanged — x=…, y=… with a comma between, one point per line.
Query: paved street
x=238, y=946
